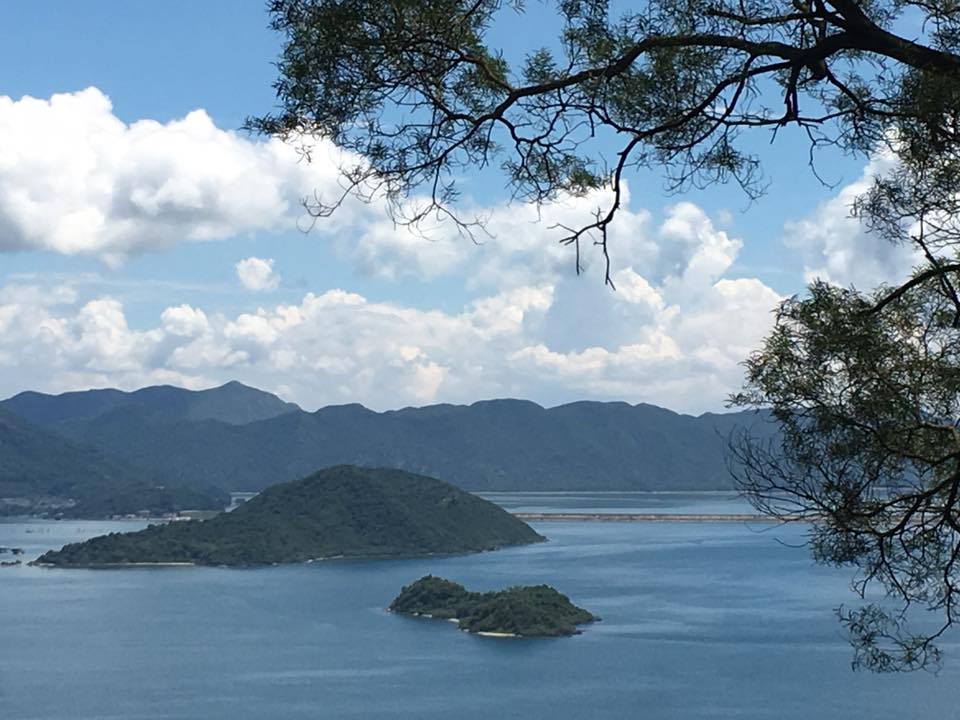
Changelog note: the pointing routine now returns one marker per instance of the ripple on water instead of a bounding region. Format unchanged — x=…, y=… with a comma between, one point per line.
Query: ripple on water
x=699, y=621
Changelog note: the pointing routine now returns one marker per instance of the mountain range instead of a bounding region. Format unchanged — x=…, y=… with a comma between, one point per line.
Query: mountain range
x=233, y=403
x=237, y=438
x=42, y=472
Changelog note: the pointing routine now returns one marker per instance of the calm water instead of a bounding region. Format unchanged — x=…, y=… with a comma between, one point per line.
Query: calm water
x=700, y=621
x=676, y=503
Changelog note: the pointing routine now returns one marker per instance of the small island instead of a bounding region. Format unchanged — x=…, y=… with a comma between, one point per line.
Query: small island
x=532, y=611
x=340, y=512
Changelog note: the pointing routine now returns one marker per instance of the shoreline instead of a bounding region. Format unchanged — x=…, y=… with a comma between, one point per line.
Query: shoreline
x=648, y=517
x=720, y=493
x=308, y=561
x=456, y=621
x=109, y=566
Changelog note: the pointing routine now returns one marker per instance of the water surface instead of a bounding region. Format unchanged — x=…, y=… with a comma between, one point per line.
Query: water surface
x=667, y=503
x=700, y=620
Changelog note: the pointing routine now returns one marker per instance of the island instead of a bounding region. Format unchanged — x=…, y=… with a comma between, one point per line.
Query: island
x=532, y=611
x=341, y=512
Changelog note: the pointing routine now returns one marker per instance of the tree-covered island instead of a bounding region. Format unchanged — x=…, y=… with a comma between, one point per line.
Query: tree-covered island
x=531, y=611
x=340, y=512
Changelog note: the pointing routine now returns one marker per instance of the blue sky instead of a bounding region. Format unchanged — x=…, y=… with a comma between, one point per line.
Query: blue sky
x=135, y=106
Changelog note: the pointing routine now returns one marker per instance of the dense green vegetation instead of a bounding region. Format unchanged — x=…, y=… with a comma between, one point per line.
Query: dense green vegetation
x=43, y=474
x=534, y=611
x=343, y=511
x=491, y=445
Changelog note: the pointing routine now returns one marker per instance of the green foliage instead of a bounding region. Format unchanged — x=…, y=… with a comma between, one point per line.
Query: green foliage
x=343, y=511
x=43, y=474
x=534, y=611
x=432, y=596
x=494, y=445
x=867, y=392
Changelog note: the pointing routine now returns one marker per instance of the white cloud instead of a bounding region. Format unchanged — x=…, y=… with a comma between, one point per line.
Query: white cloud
x=836, y=246
x=257, y=274
x=673, y=333
x=519, y=244
x=337, y=346
x=75, y=179
x=681, y=252
x=184, y=321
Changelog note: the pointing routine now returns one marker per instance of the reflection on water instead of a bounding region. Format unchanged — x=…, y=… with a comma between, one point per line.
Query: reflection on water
x=711, y=620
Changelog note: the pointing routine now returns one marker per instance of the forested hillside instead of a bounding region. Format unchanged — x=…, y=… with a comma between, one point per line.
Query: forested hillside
x=490, y=445
x=340, y=512
x=43, y=473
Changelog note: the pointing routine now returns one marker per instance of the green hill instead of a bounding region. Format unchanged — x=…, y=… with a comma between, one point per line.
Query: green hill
x=41, y=473
x=532, y=611
x=343, y=511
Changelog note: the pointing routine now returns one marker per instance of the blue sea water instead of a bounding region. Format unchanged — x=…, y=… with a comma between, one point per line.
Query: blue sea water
x=700, y=620
x=667, y=503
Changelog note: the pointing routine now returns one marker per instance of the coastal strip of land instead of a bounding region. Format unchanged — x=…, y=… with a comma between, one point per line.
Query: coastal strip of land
x=647, y=517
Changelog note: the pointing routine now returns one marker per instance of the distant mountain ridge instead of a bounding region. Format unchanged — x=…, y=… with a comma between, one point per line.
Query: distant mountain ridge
x=233, y=403
x=201, y=439
x=44, y=473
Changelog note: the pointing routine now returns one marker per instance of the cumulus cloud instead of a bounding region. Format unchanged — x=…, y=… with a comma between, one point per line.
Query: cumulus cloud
x=516, y=246
x=551, y=342
x=75, y=179
x=836, y=246
x=257, y=274
x=677, y=249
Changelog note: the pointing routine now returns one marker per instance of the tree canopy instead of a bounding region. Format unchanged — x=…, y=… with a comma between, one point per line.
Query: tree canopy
x=520, y=611
x=340, y=512
x=869, y=408
x=866, y=386
x=418, y=92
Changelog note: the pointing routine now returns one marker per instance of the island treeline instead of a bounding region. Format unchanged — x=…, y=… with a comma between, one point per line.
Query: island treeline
x=522, y=611
x=340, y=512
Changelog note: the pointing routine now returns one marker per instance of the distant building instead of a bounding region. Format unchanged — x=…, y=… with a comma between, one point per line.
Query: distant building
x=239, y=498
x=196, y=514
